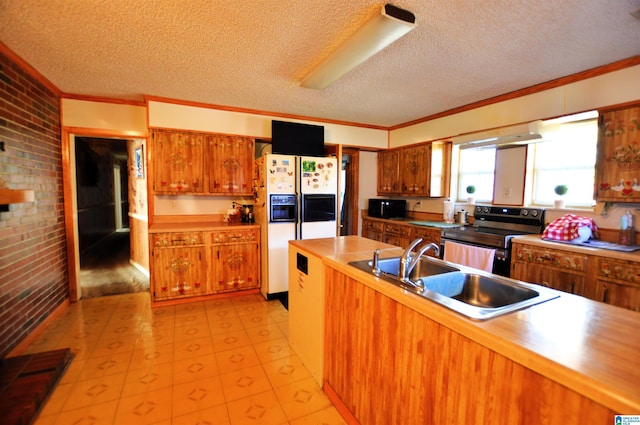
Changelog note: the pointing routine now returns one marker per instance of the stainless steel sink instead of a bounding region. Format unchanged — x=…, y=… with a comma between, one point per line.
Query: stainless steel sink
x=462, y=289
x=390, y=266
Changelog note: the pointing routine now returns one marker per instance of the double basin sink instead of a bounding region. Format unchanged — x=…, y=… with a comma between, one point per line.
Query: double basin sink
x=467, y=291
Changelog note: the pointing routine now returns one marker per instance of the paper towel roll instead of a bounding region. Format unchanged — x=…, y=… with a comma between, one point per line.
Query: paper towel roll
x=447, y=211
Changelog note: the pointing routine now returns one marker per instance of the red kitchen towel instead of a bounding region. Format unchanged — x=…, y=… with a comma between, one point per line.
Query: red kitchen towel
x=566, y=228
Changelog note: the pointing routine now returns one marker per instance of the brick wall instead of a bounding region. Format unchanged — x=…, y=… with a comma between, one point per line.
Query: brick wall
x=33, y=260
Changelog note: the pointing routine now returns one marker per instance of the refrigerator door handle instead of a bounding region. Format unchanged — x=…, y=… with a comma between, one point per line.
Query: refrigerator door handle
x=300, y=214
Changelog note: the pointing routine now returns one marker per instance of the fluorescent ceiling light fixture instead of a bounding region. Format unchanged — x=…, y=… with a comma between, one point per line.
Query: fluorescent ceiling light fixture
x=379, y=32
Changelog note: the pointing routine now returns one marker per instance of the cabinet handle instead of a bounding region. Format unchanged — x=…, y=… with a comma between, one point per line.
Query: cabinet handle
x=605, y=295
x=573, y=287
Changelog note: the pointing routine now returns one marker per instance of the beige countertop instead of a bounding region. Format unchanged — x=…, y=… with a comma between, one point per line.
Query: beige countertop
x=589, y=347
x=344, y=245
x=536, y=240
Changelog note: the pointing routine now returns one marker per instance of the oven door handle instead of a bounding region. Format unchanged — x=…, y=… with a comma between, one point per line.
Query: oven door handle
x=501, y=253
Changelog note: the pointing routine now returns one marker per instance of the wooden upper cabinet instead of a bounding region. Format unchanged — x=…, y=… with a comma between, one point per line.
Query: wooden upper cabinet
x=415, y=170
x=618, y=159
x=177, y=162
x=388, y=172
x=412, y=171
x=230, y=164
x=180, y=159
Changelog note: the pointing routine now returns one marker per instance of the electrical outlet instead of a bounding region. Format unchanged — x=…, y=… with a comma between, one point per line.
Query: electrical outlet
x=506, y=192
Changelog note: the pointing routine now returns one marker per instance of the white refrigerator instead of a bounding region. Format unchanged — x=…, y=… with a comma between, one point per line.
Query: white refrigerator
x=296, y=199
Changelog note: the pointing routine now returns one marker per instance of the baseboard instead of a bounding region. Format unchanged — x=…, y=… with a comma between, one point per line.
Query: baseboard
x=22, y=346
x=339, y=405
x=140, y=268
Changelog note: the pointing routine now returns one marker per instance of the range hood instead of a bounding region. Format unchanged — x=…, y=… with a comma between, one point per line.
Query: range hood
x=512, y=135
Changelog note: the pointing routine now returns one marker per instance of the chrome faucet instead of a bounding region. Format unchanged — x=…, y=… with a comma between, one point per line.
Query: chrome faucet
x=376, y=259
x=407, y=264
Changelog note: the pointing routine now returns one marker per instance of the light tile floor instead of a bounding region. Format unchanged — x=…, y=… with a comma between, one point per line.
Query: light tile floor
x=225, y=361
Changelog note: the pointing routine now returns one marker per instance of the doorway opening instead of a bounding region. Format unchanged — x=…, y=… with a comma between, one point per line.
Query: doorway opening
x=102, y=201
x=349, y=192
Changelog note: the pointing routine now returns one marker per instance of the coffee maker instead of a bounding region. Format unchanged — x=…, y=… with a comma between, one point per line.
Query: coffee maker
x=247, y=213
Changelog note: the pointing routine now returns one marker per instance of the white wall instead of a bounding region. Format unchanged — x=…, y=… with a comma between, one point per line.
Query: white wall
x=605, y=90
x=171, y=115
x=368, y=177
x=104, y=116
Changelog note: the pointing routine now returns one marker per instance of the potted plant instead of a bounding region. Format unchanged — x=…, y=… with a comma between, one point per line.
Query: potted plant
x=560, y=190
x=471, y=189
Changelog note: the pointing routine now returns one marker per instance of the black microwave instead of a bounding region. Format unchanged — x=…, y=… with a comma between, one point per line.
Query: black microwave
x=387, y=208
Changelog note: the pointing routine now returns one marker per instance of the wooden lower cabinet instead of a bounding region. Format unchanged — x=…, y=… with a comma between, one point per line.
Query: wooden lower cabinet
x=428, y=235
x=236, y=255
x=562, y=270
x=397, y=234
x=372, y=229
x=204, y=263
x=178, y=265
x=618, y=283
x=389, y=364
x=612, y=281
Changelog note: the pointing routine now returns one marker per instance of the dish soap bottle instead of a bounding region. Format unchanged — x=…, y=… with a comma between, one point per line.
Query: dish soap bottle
x=627, y=230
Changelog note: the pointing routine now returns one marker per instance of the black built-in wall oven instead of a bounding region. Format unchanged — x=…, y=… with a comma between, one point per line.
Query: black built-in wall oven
x=318, y=207
x=283, y=208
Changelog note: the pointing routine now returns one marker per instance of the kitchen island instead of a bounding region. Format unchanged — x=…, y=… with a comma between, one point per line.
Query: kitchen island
x=393, y=357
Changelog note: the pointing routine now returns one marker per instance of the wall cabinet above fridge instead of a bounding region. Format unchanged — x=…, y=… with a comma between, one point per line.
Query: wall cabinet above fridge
x=618, y=158
x=422, y=170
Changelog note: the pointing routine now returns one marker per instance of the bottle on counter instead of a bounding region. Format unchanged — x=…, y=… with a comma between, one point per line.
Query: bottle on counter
x=627, y=229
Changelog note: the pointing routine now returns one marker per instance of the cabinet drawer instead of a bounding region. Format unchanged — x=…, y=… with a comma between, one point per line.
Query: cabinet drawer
x=550, y=257
x=168, y=240
x=373, y=226
x=398, y=229
x=235, y=236
x=428, y=235
x=619, y=270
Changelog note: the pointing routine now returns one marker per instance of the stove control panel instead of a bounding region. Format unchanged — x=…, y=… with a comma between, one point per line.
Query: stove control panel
x=506, y=214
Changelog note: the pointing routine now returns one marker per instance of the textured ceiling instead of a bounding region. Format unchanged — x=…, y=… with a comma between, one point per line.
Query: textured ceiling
x=253, y=53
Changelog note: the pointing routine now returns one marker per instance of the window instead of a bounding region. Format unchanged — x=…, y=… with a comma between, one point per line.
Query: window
x=567, y=156
x=476, y=166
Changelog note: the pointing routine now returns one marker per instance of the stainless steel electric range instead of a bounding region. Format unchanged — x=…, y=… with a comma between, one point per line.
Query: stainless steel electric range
x=493, y=227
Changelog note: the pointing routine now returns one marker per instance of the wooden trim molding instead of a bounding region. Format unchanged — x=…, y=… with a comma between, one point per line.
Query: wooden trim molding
x=259, y=112
x=104, y=99
x=105, y=134
x=5, y=50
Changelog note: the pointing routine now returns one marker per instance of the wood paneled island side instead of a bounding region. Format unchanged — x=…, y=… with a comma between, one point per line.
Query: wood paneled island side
x=392, y=357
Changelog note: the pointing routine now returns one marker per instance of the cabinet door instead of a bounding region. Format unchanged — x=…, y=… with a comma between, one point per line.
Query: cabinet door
x=397, y=234
x=388, y=172
x=415, y=170
x=236, y=259
x=428, y=236
x=626, y=296
x=563, y=281
x=372, y=229
x=618, y=283
x=178, y=265
x=230, y=164
x=618, y=158
x=397, y=240
x=177, y=162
